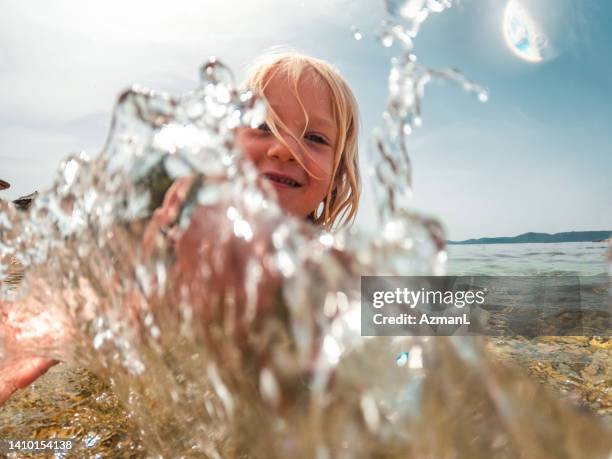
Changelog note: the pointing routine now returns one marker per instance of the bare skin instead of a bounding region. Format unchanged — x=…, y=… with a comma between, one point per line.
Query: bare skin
x=17, y=373
x=311, y=136
x=21, y=373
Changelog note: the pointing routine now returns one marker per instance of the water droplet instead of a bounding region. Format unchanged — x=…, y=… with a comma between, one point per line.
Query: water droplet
x=215, y=72
x=370, y=412
x=415, y=359
x=386, y=40
x=327, y=239
x=269, y=388
x=356, y=33
x=331, y=350
x=255, y=115
x=194, y=108
x=330, y=307
x=91, y=440
x=402, y=359
x=285, y=263
x=437, y=6
x=242, y=229
x=70, y=171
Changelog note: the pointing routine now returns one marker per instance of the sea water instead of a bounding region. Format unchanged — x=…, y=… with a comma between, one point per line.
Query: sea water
x=553, y=259
x=576, y=366
x=229, y=362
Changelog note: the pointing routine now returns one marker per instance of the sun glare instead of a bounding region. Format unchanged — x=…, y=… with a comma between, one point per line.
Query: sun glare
x=522, y=34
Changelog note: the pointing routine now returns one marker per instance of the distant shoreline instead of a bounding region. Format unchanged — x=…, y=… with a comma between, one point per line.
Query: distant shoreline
x=541, y=238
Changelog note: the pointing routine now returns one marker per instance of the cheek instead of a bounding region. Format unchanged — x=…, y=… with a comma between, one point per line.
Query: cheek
x=246, y=145
x=322, y=164
x=319, y=187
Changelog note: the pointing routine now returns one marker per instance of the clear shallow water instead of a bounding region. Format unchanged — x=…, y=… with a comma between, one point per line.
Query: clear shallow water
x=576, y=368
x=295, y=380
x=72, y=403
x=569, y=258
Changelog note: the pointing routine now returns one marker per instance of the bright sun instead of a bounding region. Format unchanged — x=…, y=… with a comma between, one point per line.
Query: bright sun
x=522, y=34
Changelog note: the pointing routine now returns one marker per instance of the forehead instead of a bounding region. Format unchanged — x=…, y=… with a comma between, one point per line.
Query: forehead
x=287, y=94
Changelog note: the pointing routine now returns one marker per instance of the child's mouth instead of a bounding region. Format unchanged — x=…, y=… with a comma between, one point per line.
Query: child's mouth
x=282, y=181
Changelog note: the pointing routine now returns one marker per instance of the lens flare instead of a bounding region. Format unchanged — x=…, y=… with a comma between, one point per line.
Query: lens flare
x=522, y=34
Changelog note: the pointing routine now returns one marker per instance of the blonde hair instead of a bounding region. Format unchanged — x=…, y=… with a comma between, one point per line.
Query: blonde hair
x=342, y=197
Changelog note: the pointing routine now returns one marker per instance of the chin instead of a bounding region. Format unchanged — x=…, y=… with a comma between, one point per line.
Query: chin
x=293, y=212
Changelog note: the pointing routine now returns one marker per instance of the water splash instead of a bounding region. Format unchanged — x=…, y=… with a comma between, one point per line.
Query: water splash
x=407, y=82
x=250, y=346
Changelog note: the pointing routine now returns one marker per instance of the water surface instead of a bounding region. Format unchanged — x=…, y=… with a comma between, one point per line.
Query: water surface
x=577, y=368
x=557, y=259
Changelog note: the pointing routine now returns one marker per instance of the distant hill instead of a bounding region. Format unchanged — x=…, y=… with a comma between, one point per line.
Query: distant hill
x=526, y=238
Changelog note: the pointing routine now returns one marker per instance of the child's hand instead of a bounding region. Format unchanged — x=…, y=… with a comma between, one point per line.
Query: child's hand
x=205, y=241
x=164, y=218
x=209, y=260
x=18, y=374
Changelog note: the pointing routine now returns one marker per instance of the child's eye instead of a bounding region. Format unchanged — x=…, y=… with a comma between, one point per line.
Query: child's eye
x=264, y=127
x=316, y=138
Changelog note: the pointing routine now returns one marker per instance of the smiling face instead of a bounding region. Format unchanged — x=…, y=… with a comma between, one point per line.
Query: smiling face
x=299, y=161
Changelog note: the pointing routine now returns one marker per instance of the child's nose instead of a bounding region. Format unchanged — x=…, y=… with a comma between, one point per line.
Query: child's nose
x=283, y=149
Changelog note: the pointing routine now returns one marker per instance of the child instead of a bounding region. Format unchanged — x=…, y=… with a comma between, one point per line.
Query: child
x=308, y=147
x=307, y=150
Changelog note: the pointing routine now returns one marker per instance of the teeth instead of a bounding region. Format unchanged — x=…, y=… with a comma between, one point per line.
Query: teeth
x=286, y=181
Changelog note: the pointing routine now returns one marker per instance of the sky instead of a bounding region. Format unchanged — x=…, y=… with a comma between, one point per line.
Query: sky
x=536, y=157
